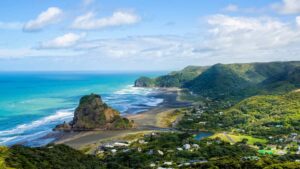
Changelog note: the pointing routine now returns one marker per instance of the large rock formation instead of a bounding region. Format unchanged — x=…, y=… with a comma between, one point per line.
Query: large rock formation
x=144, y=82
x=93, y=114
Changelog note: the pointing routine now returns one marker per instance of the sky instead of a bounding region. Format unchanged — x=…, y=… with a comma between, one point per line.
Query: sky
x=145, y=35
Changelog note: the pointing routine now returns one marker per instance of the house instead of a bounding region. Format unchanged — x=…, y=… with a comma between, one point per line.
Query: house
x=250, y=158
x=160, y=152
x=152, y=165
x=187, y=146
x=119, y=144
x=150, y=152
x=202, y=122
x=142, y=141
x=126, y=150
x=168, y=163
x=298, y=152
x=294, y=134
x=108, y=145
x=179, y=149
x=196, y=146
x=198, y=161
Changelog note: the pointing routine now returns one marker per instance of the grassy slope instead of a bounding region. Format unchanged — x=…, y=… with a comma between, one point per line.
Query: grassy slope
x=167, y=118
x=266, y=115
x=238, y=138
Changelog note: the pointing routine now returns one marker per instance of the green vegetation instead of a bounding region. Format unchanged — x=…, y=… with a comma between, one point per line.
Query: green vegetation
x=238, y=81
x=173, y=79
x=144, y=82
x=168, y=118
x=238, y=138
x=265, y=115
x=168, y=150
x=92, y=113
x=232, y=82
x=261, y=116
x=58, y=157
x=122, y=123
x=4, y=152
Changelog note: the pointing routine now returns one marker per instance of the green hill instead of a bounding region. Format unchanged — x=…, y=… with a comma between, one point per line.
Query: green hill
x=173, y=79
x=265, y=115
x=231, y=81
x=241, y=80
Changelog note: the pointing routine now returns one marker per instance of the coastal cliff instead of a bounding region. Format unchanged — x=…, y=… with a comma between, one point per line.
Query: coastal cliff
x=93, y=114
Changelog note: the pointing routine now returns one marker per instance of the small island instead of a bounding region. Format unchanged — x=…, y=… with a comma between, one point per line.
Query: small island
x=93, y=114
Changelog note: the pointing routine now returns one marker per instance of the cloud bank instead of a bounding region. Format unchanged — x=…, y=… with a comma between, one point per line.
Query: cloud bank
x=64, y=41
x=89, y=21
x=50, y=16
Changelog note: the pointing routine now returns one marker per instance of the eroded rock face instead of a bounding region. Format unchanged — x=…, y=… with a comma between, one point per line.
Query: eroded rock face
x=92, y=113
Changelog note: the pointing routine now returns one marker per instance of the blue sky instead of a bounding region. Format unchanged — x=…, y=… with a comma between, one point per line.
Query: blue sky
x=145, y=34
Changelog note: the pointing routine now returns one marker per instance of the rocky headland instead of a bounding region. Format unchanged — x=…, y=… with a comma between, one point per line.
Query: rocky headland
x=93, y=114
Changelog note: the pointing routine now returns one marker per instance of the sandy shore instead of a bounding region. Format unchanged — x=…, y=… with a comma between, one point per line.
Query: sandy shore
x=144, y=121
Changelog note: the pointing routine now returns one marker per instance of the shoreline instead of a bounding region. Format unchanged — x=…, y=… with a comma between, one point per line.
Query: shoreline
x=145, y=121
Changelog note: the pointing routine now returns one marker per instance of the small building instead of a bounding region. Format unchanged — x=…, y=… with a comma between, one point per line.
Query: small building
x=160, y=152
x=187, y=146
x=168, y=163
x=152, y=165
x=179, y=149
x=202, y=122
x=196, y=146
x=113, y=150
x=119, y=144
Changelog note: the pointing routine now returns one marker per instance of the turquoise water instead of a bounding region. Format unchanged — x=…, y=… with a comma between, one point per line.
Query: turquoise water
x=31, y=104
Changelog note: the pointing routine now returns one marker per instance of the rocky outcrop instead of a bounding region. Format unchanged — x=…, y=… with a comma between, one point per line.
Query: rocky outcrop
x=144, y=82
x=93, y=114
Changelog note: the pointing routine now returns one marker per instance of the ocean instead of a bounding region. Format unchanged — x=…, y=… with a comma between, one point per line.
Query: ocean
x=32, y=103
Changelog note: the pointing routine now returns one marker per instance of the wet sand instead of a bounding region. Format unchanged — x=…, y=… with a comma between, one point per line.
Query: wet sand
x=144, y=121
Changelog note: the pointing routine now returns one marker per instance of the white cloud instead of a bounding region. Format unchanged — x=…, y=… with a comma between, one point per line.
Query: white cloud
x=287, y=6
x=28, y=52
x=251, y=33
x=228, y=39
x=140, y=47
x=298, y=21
x=50, y=16
x=247, y=39
x=231, y=8
x=87, y=2
x=89, y=20
x=64, y=41
x=11, y=25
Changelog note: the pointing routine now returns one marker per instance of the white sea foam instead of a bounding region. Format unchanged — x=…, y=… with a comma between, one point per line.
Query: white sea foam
x=18, y=132
x=154, y=102
x=39, y=128
x=130, y=89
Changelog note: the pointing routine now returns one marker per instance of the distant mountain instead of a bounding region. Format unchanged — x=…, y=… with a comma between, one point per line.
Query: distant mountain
x=231, y=81
x=241, y=80
x=173, y=79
